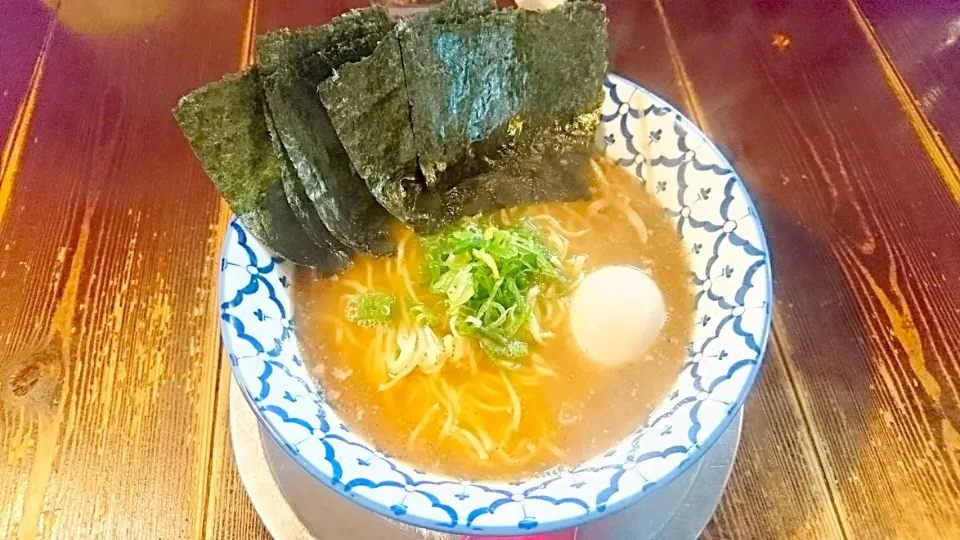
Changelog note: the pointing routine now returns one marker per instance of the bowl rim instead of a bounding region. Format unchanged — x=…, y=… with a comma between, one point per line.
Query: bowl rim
x=593, y=514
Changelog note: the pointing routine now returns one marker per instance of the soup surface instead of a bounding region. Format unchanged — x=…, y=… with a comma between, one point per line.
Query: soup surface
x=468, y=416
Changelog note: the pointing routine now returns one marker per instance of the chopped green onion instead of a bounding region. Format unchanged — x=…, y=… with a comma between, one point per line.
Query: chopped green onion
x=423, y=315
x=484, y=272
x=372, y=309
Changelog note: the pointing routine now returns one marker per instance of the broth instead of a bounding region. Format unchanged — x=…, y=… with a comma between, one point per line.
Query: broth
x=570, y=409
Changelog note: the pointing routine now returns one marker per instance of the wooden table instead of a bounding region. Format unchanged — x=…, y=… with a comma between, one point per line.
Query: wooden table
x=842, y=116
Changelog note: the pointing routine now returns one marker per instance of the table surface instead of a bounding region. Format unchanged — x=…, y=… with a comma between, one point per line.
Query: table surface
x=842, y=116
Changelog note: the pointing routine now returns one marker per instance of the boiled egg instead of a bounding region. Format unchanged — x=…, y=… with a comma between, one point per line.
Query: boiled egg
x=616, y=314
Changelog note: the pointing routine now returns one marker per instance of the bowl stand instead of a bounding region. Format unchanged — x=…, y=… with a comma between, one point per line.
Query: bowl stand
x=293, y=506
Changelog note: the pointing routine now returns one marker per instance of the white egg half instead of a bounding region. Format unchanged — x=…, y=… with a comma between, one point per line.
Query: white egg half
x=616, y=314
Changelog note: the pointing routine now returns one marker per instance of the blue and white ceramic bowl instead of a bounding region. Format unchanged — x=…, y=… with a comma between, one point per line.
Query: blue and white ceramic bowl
x=731, y=275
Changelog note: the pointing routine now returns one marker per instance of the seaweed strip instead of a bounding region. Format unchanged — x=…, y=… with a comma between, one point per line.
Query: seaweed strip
x=464, y=90
x=226, y=126
x=339, y=195
x=450, y=11
x=475, y=135
x=549, y=167
x=285, y=46
x=368, y=107
x=302, y=206
x=563, y=57
x=295, y=63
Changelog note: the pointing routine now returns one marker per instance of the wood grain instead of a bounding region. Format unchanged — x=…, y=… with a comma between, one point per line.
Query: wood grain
x=25, y=33
x=930, y=138
x=108, y=269
x=24, y=27
x=923, y=40
x=866, y=315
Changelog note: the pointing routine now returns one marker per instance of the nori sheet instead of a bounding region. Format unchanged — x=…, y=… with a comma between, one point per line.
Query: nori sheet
x=321, y=64
x=472, y=136
x=464, y=89
x=548, y=167
x=303, y=207
x=338, y=193
x=371, y=94
x=563, y=56
x=449, y=11
x=374, y=124
x=459, y=110
x=303, y=126
x=475, y=83
x=368, y=107
x=285, y=46
x=227, y=130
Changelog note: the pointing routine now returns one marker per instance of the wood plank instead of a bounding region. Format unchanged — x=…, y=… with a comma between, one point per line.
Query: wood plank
x=24, y=26
x=108, y=269
x=866, y=312
x=923, y=41
x=918, y=45
x=25, y=31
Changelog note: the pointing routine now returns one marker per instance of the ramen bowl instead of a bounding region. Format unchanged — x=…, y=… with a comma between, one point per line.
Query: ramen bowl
x=730, y=272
